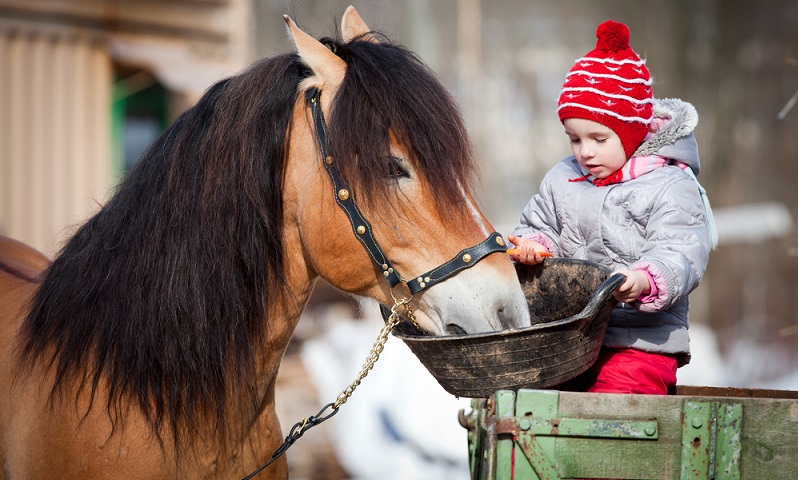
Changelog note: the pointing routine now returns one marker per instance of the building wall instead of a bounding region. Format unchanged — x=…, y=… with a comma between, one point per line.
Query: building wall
x=54, y=130
x=57, y=62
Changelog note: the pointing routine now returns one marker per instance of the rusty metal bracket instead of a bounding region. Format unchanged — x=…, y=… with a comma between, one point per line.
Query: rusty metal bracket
x=711, y=440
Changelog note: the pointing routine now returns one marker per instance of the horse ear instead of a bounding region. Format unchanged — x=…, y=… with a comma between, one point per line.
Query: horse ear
x=353, y=26
x=328, y=67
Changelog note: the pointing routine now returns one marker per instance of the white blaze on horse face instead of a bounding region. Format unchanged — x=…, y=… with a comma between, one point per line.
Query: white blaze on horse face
x=475, y=213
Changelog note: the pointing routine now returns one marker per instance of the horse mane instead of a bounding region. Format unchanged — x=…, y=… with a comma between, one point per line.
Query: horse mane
x=162, y=294
x=160, y=299
x=387, y=88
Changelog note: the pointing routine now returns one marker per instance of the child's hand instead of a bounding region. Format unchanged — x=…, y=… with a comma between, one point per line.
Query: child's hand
x=527, y=251
x=636, y=284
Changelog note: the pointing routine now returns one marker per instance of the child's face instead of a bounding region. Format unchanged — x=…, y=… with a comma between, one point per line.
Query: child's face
x=597, y=148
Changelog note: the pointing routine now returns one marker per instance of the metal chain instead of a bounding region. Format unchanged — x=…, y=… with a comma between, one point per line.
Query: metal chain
x=376, y=349
x=306, y=424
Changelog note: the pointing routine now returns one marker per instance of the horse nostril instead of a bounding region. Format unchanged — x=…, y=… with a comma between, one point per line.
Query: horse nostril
x=455, y=329
x=501, y=314
x=507, y=318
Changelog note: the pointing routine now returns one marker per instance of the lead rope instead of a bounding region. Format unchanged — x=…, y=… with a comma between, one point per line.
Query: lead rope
x=306, y=424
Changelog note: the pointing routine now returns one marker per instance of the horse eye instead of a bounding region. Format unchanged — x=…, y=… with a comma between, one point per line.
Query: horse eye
x=395, y=169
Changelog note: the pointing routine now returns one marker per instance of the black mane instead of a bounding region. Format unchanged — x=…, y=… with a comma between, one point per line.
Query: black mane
x=161, y=297
x=388, y=87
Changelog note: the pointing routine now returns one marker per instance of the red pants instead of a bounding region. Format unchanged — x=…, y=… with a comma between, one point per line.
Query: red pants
x=627, y=371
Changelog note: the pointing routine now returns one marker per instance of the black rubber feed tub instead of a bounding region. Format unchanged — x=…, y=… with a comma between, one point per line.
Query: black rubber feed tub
x=570, y=302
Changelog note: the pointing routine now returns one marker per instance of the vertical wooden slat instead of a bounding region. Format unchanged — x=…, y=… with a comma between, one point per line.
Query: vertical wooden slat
x=17, y=87
x=5, y=197
x=67, y=155
x=59, y=202
x=35, y=173
x=78, y=173
x=100, y=114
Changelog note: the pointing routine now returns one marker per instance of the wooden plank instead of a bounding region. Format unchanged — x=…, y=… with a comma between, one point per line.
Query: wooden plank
x=699, y=391
x=743, y=436
x=538, y=403
x=728, y=443
x=621, y=458
x=505, y=407
x=769, y=437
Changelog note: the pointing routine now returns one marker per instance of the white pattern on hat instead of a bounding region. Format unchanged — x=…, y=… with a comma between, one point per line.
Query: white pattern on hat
x=610, y=76
x=611, y=95
x=611, y=113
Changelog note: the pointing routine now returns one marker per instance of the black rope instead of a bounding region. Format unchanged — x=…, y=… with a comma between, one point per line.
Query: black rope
x=296, y=432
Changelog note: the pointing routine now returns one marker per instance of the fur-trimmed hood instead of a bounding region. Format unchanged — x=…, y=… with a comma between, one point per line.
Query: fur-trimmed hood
x=674, y=139
x=675, y=121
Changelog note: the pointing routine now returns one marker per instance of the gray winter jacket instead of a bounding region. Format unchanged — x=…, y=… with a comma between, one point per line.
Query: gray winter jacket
x=657, y=222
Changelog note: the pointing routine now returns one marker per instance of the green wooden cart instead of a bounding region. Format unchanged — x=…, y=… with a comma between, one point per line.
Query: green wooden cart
x=699, y=433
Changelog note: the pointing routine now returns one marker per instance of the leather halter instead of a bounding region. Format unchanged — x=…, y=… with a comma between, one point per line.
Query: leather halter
x=467, y=258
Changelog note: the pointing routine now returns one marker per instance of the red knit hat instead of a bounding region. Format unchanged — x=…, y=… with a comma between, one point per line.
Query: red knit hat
x=610, y=85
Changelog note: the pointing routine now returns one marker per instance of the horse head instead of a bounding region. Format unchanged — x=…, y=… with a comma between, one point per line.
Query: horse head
x=398, y=141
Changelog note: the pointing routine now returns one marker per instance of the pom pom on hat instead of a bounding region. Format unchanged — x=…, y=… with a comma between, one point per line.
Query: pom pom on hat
x=612, y=86
x=612, y=36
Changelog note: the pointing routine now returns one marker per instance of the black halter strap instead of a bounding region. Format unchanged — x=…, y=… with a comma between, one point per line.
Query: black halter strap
x=343, y=196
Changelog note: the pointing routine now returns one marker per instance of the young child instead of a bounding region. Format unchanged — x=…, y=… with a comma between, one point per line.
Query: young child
x=628, y=199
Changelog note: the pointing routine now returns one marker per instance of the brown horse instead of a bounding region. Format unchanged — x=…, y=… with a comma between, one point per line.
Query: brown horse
x=149, y=347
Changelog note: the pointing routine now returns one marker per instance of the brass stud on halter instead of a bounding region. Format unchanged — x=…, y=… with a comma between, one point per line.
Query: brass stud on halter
x=386, y=269
x=466, y=258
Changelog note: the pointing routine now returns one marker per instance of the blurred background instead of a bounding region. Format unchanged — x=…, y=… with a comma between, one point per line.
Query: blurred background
x=86, y=85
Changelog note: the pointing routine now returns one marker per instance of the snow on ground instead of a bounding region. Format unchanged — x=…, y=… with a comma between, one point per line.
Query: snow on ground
x=399, y=423
x=706, y=366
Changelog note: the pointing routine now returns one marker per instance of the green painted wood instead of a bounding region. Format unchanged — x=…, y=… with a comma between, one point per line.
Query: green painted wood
x=505, y=407
x=770, y=439
x=697, y=425
x=728, y=443
x=763, y=432
x=621, y=458
x=536, y=457
x=536, y=403
x=596, y=428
